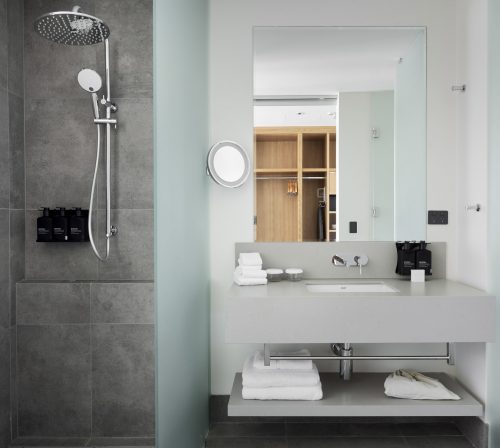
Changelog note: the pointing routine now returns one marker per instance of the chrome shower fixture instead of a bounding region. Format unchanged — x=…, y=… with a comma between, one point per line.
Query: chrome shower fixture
x=72, y=28
x=76, y=28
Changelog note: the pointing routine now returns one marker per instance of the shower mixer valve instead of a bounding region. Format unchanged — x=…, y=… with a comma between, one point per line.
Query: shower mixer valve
x=109, y=104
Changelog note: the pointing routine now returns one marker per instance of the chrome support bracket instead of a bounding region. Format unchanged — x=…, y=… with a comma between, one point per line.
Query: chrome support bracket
x=451, y=349
x=267, y=355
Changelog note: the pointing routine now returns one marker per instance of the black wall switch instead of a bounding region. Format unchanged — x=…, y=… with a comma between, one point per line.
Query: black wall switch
x=353, y=227
x=439, y=217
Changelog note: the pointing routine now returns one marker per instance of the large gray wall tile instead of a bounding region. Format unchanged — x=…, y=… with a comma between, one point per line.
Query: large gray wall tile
x=15, y=17
x=132, y=248
x=123, y=380
x=60, y=152
x=17, y=258
x=4, y=148
x=4, y=270
x=131, y=43
x=122, y=302
x=132, y=157
x=54, y=380
x=43, y=303
x=4, y=386
x=57, y=261
x=50, y=68
x=13, y=381
x=4, y=42
x=16, y=151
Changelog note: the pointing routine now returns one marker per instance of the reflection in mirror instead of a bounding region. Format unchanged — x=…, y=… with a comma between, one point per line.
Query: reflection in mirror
x=340, y=133
x=228, y=164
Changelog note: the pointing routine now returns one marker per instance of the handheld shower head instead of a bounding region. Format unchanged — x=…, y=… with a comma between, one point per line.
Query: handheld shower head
x=89, y=80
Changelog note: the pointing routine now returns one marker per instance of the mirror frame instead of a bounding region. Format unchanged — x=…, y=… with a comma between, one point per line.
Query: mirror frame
x=211, y=171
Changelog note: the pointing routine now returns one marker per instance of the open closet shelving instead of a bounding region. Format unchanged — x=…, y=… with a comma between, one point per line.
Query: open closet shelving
x=292, y=165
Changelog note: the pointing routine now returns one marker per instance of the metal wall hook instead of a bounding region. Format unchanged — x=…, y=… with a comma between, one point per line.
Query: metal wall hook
x=474, y=207
x=459, y=88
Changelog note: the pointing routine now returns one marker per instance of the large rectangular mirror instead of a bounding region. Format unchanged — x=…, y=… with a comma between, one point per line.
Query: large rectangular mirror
x=340, y=133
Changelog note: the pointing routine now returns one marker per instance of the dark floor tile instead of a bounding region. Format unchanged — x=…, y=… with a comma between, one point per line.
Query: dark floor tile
x=39, y=442
x=244, y=429
x=247, y=443
x=121, y=442
x=336, y=429
x=348, y=442
x=438, y=442
x=429, y=429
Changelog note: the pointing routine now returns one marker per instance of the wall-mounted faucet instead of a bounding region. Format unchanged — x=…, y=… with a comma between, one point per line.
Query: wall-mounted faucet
x=348, y=260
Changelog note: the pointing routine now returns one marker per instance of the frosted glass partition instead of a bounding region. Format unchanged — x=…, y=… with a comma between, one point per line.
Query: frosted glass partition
x=181, y=240
x=410, y=130
x=493, y=390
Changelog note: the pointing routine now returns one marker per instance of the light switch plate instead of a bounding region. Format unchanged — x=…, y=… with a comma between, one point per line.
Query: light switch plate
x=437, y=217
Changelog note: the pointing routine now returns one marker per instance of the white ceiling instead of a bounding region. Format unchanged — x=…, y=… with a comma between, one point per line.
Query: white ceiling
x=327, y=60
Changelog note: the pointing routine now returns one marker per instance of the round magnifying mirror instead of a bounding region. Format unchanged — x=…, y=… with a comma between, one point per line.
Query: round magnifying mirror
x=228, y=164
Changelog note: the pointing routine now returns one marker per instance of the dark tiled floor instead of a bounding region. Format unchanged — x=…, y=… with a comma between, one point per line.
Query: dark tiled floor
x=78, y=442
x=335, y=434
x=330, y=432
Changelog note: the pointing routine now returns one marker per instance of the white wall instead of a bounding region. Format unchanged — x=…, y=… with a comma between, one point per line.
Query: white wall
x=354, y=199
x=231, y=211
x=472, y=169
x=382, y=150
x=409, y=138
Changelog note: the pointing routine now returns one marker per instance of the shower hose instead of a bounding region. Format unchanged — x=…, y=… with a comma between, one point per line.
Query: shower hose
x=91, y=205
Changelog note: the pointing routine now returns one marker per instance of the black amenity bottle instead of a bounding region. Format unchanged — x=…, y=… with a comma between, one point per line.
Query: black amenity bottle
x=60, y=226
x=44, y=226
x=424, y=258
x=78, y=226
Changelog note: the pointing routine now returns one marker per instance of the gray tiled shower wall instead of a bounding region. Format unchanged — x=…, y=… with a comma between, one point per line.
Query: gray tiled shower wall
x=61, y=141
x=11, y=192
x=85, y=355
x=82, y=354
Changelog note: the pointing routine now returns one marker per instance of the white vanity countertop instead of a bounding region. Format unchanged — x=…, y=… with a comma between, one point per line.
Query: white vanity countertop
x=286, y=312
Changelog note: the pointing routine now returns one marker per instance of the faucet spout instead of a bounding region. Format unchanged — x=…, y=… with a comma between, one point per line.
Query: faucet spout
x=338, y=261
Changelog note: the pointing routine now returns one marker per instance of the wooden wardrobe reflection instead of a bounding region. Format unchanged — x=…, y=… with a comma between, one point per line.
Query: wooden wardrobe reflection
x=295, y=183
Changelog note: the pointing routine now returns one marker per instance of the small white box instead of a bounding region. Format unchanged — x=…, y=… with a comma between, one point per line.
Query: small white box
x=418, y=275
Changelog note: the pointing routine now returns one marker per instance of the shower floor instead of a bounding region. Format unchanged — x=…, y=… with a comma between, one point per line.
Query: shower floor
x=74, y=442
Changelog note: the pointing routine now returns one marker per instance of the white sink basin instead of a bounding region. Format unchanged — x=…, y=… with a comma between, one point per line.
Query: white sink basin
x=349, y=287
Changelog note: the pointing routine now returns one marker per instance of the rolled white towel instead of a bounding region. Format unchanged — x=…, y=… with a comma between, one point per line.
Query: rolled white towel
x=310, y=393
x=253, y=377
x=241, y=271
x=415, y=386
x=250, y=259
x=245, y=281
x=284, y=364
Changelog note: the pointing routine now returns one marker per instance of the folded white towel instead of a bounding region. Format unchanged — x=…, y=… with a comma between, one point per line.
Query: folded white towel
x=283, y=393
x=253, y=377
x=284, y=364
x=415, y=386
x=257, y=267
x=250, y=259
x=245, y=281
x=242, y=271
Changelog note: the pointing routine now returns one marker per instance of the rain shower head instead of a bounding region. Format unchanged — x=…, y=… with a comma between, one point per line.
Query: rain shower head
x=72, y=28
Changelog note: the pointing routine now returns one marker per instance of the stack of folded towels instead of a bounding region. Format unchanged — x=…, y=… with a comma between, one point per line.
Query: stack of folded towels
x=282, y=380
x=249, y=271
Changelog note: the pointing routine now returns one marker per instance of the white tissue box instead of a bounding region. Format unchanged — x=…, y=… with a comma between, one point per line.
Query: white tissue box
x=418, y=275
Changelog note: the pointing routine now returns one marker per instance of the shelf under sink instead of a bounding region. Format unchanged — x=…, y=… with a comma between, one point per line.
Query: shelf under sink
x=362, y=396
